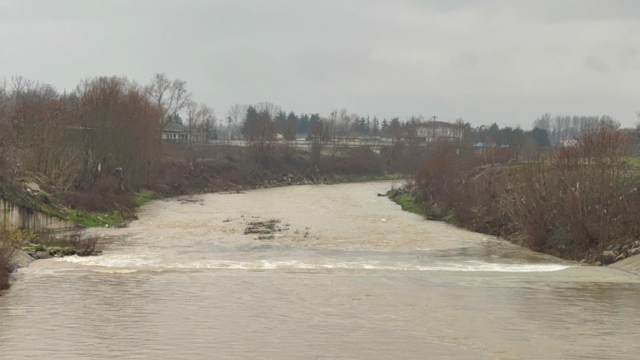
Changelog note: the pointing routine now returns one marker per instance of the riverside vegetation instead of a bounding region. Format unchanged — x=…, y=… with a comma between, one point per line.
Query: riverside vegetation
x=97, y=153
x=94, y=155
x=580, y=202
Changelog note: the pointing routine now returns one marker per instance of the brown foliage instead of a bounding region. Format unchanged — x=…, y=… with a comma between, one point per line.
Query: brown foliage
x=93, y=148
x=120, y=131
x=361, y=161
x=102, y=195
x=6, y=264
x=566, y=201
x=576, y=198
x=452, y=184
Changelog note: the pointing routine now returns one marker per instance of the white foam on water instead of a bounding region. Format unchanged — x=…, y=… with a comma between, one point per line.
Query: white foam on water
x=112, y=261
x=480, y=266
x=132, y=263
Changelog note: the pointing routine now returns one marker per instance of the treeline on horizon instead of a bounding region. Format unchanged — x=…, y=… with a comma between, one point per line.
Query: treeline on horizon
x=546, y=130
x=111, y=125
x=93, y=148
x=96, y=146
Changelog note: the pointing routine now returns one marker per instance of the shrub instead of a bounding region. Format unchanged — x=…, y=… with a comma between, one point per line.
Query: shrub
x=582, y=190
x=6, y=264
x=83, y=245
x=566, y=201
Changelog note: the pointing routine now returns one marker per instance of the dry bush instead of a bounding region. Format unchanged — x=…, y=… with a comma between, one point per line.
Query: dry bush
x=102, y=196
x=361, y=161
x=573, y=199
x=565, y=201
x=453, y=186
x=449, y=164
x=405, y=159
x=84, y=245
x=6, y=264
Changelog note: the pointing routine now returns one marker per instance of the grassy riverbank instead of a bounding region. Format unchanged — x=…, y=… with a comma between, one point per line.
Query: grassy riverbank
x=403, y=198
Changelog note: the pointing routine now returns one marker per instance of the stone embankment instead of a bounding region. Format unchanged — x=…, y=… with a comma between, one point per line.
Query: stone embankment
x=616, y=252
x=631, y=265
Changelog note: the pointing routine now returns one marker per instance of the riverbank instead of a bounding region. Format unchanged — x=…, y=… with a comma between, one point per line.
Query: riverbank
x=196, y=275
x=578, y=203
x=614, y=252
x=19, y=248
x=105, y=201
x=102, y=205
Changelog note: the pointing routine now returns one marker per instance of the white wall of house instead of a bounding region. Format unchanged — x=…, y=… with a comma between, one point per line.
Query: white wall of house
x=432, y=133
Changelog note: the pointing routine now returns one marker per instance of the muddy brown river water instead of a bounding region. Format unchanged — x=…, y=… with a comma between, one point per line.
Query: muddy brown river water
x=349, y=276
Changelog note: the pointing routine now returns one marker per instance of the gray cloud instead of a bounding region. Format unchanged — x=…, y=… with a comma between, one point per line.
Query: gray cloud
x=503, y=61
x=597, y=65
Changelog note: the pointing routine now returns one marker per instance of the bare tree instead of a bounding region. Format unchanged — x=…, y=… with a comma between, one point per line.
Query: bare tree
x=395, y=129
x=205, y=122
x=119, y=120
x=7, y=153
x=192, y=108
x=234, y=119
x=268, y=108
x=170, y=96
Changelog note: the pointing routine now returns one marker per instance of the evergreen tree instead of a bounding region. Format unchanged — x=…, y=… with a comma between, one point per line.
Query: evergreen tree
x=291, y=127
x=250, y=122
x=395, y=129
x=303, y=124
x=281, y=122
x=541, y=137
x=375, y=130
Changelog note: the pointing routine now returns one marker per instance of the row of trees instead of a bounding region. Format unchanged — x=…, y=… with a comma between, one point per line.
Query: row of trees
x=561, y=127
x=105, y=126
x=340, y=123
x=109, y=125
x=290, y=125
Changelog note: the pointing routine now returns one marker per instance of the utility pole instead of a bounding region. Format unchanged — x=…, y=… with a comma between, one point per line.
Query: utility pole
x=433, y=131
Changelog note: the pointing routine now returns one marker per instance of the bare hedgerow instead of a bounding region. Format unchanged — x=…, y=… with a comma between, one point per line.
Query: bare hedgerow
x=575, y=198
x=6, y=266
x=565, y=201
x=6, y=263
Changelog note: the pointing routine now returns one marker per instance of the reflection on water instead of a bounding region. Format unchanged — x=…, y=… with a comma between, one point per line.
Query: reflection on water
x=353, y=277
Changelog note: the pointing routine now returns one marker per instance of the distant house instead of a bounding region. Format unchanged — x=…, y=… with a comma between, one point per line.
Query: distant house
x=175, y=132
x=439, y=130
x=568, y=143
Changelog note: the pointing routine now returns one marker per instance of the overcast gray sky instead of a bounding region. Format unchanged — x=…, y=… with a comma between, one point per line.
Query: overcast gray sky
x=485, y=61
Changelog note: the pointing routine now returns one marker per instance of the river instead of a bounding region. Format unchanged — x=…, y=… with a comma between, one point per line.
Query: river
x=349, y=276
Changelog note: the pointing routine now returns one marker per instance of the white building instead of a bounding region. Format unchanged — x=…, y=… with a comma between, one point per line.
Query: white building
x=439, y=130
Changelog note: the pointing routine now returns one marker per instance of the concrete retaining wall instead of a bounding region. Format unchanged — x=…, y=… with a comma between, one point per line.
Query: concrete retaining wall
x=16, y=217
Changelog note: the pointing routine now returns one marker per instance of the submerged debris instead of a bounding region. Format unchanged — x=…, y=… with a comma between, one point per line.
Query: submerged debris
x=263, y=227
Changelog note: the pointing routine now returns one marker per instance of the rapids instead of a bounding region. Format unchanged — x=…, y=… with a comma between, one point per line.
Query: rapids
x=346, y=275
